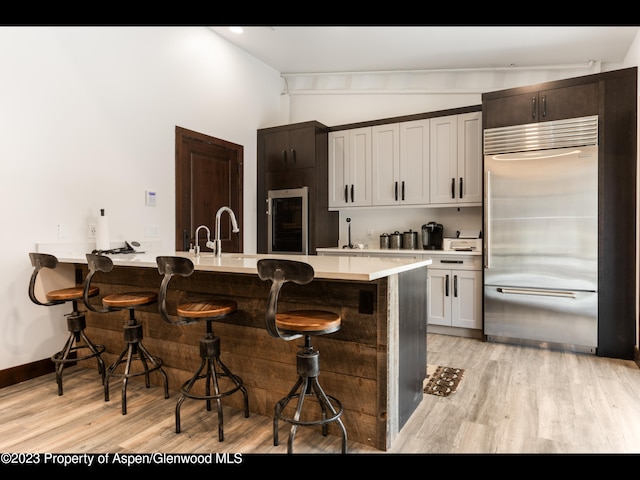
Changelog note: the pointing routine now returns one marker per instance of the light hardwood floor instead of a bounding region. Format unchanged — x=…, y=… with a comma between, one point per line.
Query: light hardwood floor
x=511, y=400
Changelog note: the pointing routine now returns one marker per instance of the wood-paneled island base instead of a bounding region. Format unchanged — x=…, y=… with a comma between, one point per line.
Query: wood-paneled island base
x=375, y=364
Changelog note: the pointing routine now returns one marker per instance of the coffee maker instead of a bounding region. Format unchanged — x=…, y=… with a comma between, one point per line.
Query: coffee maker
x=432, y=234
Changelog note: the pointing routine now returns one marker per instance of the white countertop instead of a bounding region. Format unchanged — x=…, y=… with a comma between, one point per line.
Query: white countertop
x=326, y=267
x=398, y=251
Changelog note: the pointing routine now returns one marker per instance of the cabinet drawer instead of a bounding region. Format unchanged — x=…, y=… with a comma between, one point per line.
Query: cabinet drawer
x=457, y=262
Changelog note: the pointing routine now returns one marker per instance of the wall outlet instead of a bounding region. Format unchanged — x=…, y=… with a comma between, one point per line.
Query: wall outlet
x=63, y=231
x=92, y=230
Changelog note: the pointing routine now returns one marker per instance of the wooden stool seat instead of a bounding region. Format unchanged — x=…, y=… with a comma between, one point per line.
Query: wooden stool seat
x=134, y=350
x=70, y=294
x=78, y=346
x=206, y=310
x=291, y=325
x=310, y=322
x=129, y=299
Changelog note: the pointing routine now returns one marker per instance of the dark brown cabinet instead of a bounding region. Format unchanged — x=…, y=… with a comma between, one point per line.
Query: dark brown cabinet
x=532, y=106
x=294, y=156
x=287, y=149
x=613, y=97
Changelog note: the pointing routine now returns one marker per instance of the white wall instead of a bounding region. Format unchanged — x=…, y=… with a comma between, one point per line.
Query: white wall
x=88, y=117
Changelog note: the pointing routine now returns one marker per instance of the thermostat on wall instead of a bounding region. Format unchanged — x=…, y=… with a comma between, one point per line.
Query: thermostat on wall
x=150, y=198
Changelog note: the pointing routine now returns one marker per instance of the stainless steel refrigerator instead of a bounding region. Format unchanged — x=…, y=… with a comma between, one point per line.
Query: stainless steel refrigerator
x=541, y=234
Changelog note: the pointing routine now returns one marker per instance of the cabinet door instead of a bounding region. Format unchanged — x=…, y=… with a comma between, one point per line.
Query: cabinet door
x=443, y=159
x=439, y=296
x=469, y=188
x=414, y=162
x=287, y=149
x=276, y=150
x=466, y=299
x=359, y=185
x=385, y=165
x=568, y=102
x=511, y=110
x=338, y=168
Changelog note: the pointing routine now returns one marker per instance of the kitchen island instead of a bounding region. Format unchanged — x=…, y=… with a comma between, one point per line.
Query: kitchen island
x=375, y=364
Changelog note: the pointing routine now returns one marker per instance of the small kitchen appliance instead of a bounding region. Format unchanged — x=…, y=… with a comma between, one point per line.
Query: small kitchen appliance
x=462, y=244
x=432, y=236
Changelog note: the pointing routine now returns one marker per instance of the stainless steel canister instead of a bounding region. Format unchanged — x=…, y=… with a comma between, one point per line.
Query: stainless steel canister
x=410, y=240
x=384, y=241
x=395, y=240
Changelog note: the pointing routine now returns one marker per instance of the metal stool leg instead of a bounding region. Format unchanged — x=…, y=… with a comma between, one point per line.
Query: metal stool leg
x=308, y=365
x=215, y=369
x=76, y=325
x=135, y=351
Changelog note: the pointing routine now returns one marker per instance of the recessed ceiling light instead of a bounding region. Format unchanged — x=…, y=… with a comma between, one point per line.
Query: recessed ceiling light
x=236, y=29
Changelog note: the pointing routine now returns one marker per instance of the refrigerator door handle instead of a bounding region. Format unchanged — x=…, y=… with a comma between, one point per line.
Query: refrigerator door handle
x=542, y=293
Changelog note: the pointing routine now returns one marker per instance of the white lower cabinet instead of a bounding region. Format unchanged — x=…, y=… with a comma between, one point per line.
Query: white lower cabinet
x=454, y=296
x=454, y=287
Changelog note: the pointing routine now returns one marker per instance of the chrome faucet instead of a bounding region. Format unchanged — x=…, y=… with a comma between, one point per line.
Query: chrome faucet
x=196, y=249
x=217, y=243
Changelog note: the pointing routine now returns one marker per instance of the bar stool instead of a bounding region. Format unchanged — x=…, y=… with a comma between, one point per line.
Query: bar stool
x=78, y=342
x=135, y=350
x=207, y=310
x=290, y=326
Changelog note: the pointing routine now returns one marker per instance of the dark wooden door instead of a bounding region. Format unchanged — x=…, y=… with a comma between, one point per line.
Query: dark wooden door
x=209, y=175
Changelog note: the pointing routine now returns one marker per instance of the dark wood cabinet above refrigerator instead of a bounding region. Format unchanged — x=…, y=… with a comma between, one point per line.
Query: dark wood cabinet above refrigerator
x=561, y=100
x=294, y=156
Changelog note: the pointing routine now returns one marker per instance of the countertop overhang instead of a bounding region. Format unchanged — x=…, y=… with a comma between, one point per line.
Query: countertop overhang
x=325, y=267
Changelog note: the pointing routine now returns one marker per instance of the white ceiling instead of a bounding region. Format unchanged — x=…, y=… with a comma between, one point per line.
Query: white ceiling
x=323, y=49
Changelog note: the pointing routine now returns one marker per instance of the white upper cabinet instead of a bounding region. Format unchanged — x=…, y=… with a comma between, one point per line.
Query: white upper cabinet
x=429, y=162
x=470, y=156
x=456, y=159
x=350, y=168
x=400, y=161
